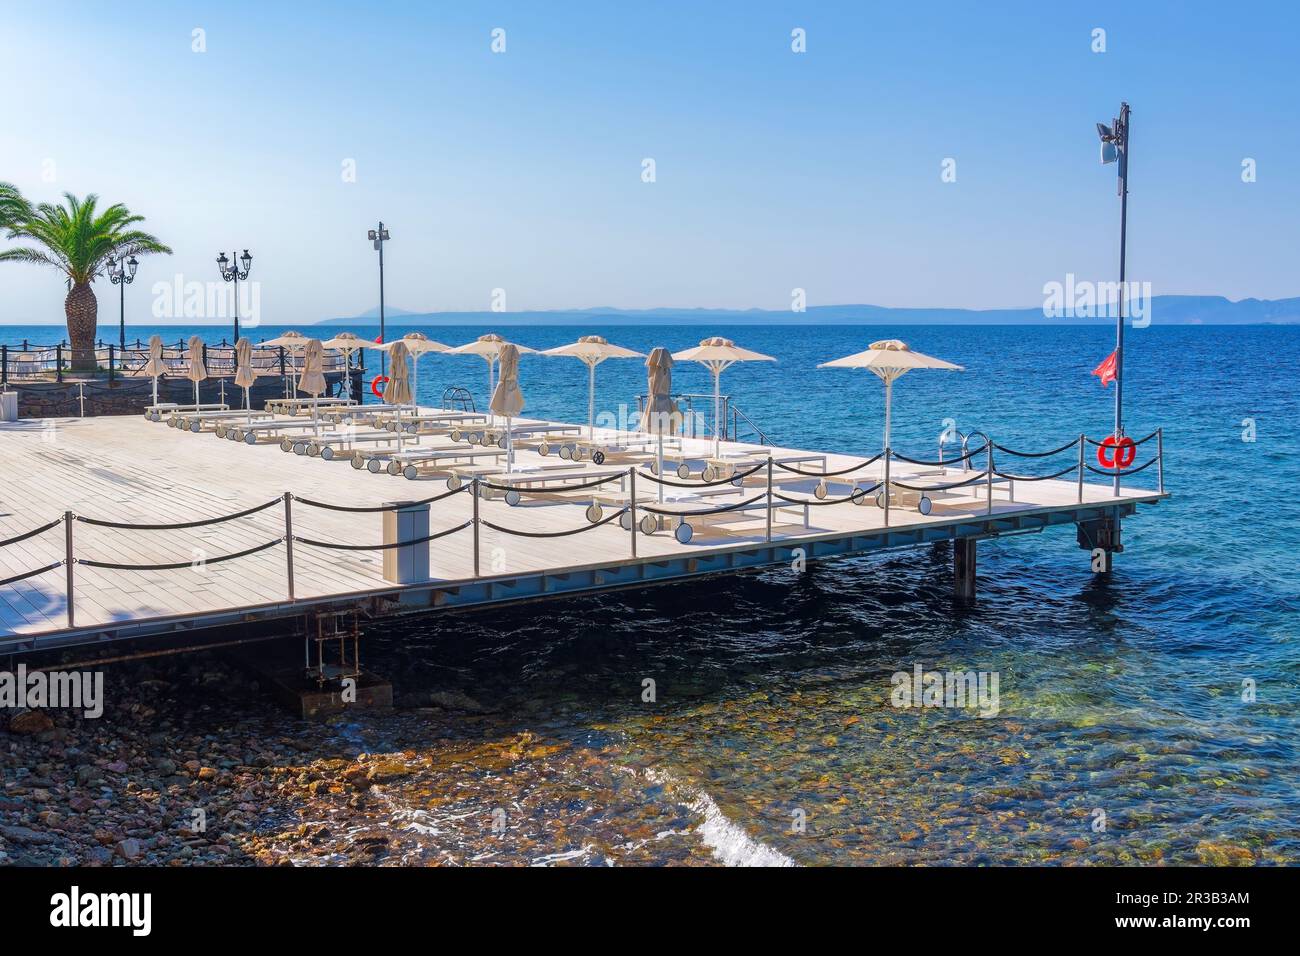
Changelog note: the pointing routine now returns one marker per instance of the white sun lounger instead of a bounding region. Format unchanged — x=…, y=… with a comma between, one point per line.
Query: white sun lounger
x=295, y=406
x=274, y=430
x=551, y=481
x=425, y=461
x=155, y=413
x=678, y=512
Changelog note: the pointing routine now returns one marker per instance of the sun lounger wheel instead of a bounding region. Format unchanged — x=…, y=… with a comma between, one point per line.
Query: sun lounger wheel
x=249, y=438
x=453, y=483
x=858, y=496
x=374, y=466
x=410, y=472
x=455, y=434
x=820, y=491
x=300, y=448
x=624, y=520
x=598, y=458
x=394, y=468
x=358, y=460
x=925, y=505
x=512, y=497
x=566, y=452
x=648, y=524
x=683, y=471
x=544, y=449
x=313, y=450
x=196, y=426
x=880, y=500
x=683, y=533
x=595, y=512
x=707, y=474
x=326, y=453
x=286, y=444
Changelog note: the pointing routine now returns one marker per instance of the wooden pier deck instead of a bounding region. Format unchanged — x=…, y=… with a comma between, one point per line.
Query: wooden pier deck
x=125, y=469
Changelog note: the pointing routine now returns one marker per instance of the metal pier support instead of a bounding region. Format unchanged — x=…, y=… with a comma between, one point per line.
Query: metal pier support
x=963, y=569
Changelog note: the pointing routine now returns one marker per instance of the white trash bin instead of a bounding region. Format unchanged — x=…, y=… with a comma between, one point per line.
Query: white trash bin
x=8, y=406
x=408, y=564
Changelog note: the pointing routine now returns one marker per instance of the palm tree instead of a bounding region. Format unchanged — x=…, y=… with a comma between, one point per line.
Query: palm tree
x=77, y=241
x=13, y=207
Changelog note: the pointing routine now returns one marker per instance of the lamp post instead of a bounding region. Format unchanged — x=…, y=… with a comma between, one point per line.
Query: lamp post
x=1114, y=148
x=231, y=272
x=379, y=237
x=122, y=277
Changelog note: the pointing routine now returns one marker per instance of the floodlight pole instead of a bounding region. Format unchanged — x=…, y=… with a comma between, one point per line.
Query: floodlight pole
x=1122, y=140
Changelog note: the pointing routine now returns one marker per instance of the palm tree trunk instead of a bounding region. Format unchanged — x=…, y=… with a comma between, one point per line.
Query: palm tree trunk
x=82, y=311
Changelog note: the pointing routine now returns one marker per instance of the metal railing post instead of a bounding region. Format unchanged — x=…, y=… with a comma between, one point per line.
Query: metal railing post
x=58, y=362
x=68, y=562
x=110, y=363
x=886, y=488
x=288, y=539
x=1082, y=444
x=631, y=477
x=4, y=365
x=1160, y=459
x=473, y=490
x=770, y=501
x=988, y=471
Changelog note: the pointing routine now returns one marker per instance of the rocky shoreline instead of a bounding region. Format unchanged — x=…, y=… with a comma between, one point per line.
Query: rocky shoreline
x=192, y=764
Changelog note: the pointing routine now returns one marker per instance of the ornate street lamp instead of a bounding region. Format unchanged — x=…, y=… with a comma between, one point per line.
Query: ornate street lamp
x=231, y=272
x=122, y=277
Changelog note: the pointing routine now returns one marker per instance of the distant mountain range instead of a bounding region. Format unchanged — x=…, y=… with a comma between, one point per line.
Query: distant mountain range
x=1163, y=310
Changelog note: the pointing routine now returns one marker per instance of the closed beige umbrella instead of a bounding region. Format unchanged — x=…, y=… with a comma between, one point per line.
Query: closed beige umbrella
x=197, y=371
x=889, y=359
x=591, y=350
x=718, y=354
x=244, y=374
x=155, y=367
x=661, y=414
x=312, y=380
x=397, y=390
x=507, y=400
x=487, y=347
x=417, y=343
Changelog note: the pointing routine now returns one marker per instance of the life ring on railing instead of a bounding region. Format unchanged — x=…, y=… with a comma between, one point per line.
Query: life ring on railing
x=1124, y=452
x=374, y=385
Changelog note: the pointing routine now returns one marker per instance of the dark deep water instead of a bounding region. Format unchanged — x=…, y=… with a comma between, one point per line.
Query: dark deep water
x=772, y=737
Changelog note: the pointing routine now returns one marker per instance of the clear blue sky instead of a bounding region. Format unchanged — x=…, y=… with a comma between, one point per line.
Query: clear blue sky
x=775, y=170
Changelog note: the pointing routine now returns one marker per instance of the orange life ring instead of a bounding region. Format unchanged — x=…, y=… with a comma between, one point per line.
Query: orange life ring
x=1125, y=451
x=374, y=385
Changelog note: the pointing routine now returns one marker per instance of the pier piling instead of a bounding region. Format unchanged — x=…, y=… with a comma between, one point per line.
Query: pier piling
x=963, y=569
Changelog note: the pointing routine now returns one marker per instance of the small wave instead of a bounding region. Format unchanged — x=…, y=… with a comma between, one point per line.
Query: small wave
x=729, y=842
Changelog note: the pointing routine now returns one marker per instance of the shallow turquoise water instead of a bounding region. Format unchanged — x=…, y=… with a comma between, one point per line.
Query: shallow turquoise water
x=1122, y=695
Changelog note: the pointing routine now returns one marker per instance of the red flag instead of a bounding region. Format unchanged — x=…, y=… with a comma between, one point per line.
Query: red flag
x=379, y=340
x=1106, y=370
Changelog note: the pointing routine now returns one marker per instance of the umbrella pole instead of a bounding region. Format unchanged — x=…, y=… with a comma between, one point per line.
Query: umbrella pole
x=717, y=409
x=661, y=465
x=491, y=417
x=591, y=400
x=889, y=401
x=196, y=394
x=155, y=390
x=248, y=405
x=510, y=446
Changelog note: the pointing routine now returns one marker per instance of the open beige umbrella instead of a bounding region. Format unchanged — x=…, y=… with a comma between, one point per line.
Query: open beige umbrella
x=397, y=390
x=244, y=374
x=290, y=341
x=507, y=400
x=718, y=354
x=487, y=347
x=417, y=343
x=661, y=413
x=346, y=343
x=197, y=371
x=889, y=359
x=312, y=379
x=591, y=350
x=154, y=367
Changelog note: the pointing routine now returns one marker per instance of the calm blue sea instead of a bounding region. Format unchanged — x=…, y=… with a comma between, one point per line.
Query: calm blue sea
x=1123, y=734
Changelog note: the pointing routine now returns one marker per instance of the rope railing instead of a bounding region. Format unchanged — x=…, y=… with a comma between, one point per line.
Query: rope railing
x=175, y=526
x=730, y=479
x=829, y=474
x=30, y=534
x=768, y=499
x=177, y=565
x=558, y=534
x=383, y=547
